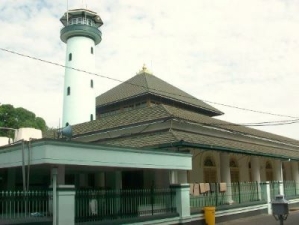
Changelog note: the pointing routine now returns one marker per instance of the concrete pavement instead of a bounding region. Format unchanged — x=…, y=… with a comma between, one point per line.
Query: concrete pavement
x=264, y=219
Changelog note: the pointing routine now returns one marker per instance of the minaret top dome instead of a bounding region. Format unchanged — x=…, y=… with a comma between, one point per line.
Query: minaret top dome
x=81, y=16
x=144, y=70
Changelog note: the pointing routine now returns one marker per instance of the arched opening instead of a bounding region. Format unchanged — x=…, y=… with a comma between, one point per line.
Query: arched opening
x=91, y=117
x=68, y=92
x=284, y=174
x=70, y=56
x=269, y=171
x=91, y=50
x=210, y=172
x=249, y=170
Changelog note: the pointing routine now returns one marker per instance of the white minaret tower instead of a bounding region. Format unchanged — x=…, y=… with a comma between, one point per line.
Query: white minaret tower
x=81, y=34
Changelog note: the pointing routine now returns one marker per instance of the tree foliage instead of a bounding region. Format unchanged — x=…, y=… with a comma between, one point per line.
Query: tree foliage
x=11, y=117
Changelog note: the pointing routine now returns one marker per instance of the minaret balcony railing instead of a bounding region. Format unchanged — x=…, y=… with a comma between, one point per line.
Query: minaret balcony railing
x=81, y=20
x=81, y=30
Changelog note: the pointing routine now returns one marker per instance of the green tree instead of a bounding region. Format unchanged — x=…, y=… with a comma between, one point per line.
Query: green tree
x=11, y=117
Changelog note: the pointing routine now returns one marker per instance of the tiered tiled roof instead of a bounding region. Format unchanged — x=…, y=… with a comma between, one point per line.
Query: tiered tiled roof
x=147, y=84
x=186, y=127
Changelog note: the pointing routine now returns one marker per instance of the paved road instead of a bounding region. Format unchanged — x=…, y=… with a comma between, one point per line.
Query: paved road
x=293, y=219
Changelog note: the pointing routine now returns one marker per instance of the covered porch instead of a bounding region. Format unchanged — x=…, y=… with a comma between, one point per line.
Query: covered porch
x=93, y=173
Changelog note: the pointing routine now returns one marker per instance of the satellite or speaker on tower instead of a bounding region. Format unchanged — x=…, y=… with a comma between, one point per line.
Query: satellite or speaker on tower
x=65, y=132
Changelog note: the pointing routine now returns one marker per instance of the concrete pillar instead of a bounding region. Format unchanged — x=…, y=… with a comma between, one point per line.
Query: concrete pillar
x=182, y=177
x=83, y=180
x=196, y=174
x=278, y=173
x=53, y=203
x=118, y=180
x=11, y=179
x=255, y=169
x=263, y=169
x=182, y=199
x=225, y=175
x=100, y=179
x=66, y=204
x=61, y=174
x=277, y=170
x=117, y=187
x=114, y=182
x=149, y=179
x=295, y=174
x=173, y=177
x=287, y=171
x=244, y=169
x=161, y=178
x=268, y=197
x=255, y=172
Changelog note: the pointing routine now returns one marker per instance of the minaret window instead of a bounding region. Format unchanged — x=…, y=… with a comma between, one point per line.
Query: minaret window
x=91, y=117
x=70, y=57
x=91, y=50
x=68, y=92
x=91, y=83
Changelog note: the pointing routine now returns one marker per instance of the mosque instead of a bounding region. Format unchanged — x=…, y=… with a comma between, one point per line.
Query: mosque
x=146, y=112
x=144, y=132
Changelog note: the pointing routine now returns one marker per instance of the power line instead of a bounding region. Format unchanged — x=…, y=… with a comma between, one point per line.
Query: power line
x=259, y=124
x=120, y=81
x=252, y=110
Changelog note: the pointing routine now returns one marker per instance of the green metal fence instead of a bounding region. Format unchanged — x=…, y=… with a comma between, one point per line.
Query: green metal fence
x=291, y=189
x=23, y=204
x=264, y=196
x=236, y=193
x=274, y=189
x=243, y=193
x=96, y=205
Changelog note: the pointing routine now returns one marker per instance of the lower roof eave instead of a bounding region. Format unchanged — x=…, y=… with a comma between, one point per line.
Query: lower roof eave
x=225, y=149
x=74, y=153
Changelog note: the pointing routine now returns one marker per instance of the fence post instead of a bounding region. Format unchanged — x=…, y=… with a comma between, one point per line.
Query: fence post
x=65, y=204
x=217, y=188
x=257, y=191
x=182, y=199
x=152, y=199
x=239, y=189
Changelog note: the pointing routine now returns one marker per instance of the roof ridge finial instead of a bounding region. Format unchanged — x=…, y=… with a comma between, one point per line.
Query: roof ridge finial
x=144, y=70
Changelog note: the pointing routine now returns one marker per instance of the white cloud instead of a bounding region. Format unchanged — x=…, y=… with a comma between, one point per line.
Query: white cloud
x=241, y=53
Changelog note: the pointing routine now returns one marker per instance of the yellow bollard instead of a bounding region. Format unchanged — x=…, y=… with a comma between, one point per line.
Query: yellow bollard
x=209, y=215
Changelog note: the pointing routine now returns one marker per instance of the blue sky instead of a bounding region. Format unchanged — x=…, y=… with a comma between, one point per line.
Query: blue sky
x=240, y=53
